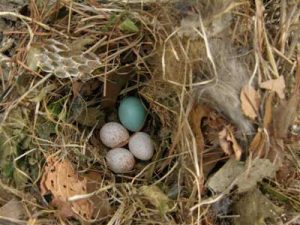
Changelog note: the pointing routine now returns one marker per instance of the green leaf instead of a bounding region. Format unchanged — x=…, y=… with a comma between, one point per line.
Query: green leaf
x=19, y=178
x=45, y=128
x=128, y=26
x=8, y=170
x=56, y=108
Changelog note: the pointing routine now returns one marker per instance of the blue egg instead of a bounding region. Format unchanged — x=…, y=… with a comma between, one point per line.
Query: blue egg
x=132, y=113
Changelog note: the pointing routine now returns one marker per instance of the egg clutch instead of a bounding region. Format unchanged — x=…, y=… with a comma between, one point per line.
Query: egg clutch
x=132, y=115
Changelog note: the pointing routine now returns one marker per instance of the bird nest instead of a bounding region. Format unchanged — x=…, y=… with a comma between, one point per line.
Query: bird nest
x=220, y=81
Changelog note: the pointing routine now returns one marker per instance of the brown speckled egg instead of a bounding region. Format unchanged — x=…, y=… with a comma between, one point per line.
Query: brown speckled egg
x=114, y=135
x=141, y=146
x=120, y=160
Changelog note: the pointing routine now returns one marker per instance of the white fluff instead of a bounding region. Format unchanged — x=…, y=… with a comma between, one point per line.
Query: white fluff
x=224, y=94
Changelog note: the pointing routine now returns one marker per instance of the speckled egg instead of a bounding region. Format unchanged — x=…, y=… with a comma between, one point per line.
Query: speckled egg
x=114, y=135
x=120, y=160
x=132, y=113
x=141, y=146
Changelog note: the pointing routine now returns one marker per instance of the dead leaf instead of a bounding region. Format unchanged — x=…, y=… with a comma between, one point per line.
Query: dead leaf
x=157, y=198
x=199, y=115
x=268, y=115
x=13, y=209
x=100, y=201
x=62, y=181
x=254, y=208
x=276, y=85
x=113, y=86
x=229, y=144
x=264, y=146
x=243, y=175
x=258, y=145
x=250, y=101
x=195, y=118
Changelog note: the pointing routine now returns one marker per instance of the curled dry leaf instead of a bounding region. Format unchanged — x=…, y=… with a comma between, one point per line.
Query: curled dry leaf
x=229, y=144
x=250, y=101
x=61, y=180
x=268, y=114
x=258, y=146
x=276, y=85
x=195, y=118
x=199, y=116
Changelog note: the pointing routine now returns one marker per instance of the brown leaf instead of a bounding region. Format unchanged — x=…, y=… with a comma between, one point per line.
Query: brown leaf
x=13, y=210
x=62, y=181
x=267, y=147
x=268, y=116
x=258, y=144
x=100, y=201
x=228, y=143
x=250, y=101
x=114, y=85
x=276, y=85
x=196, y=117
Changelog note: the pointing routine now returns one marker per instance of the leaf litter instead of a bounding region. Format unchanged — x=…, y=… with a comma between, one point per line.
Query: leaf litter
x=275, y=85
x=62, y=181
x=219, y=141
x=229, y=144
x=250, y=102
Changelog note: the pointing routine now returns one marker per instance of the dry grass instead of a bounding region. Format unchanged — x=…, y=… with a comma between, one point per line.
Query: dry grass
x=175, y=69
